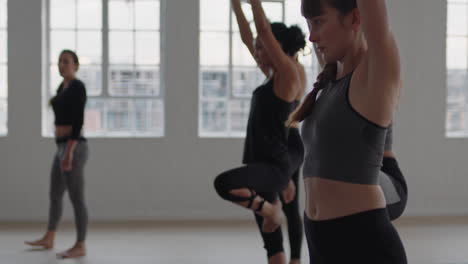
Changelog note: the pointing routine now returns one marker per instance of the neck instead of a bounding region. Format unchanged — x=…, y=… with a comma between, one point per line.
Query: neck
x=67, y=80
x=352, y=59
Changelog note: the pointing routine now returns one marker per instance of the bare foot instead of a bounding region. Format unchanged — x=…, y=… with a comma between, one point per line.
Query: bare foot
x=45, y=243
x=76, y=251
x=272, y=222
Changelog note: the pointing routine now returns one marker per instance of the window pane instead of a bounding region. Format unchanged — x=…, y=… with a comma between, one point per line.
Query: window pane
x=147, y=14
x=89, y=14
x=457, y=96
x=121, y=80
x=121, y=14
x=3, y=100
x=3, y=69
x=94, y=123
x=214, y=15
x=274, y=11
x=124, y=117
x=3, y=81
x=214, y=116
x=147, y=81
x=149, y=116
x=294, y=16
x=147, y=48
x=55, y=79
x=245, y=80
x=457, y=53
x=457, y=19
x=134, y=58
x=239, y=111
x=3, y=13
x=240, y=53
x=214, y=82
x=127, y=81
x=62, y=14
x=89, y=47
x=3, y=116
x=214, y=49
x=118, y=117
x=60, y=40
x=3, y=46
x=91, y=75
x=48, y=119
x=121, y=50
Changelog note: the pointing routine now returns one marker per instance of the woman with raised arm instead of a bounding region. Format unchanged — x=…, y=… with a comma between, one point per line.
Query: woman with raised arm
x=273, y=152
x=391, y=179
x=344, y=132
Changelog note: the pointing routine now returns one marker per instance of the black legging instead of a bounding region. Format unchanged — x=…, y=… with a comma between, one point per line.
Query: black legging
x=365, y=237
x=268, y=176
x=273, y=242
x=268, y=179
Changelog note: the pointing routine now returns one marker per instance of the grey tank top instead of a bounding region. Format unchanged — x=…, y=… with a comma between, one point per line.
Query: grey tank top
x=341, y=144
x=389, y=138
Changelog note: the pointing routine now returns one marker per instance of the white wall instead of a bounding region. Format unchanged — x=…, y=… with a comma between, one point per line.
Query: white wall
x=171, y=178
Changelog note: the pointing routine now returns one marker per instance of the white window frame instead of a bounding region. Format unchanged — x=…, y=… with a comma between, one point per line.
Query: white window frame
x=105, y=66
x=4, y=63
x=455, y=101
x=231, y=97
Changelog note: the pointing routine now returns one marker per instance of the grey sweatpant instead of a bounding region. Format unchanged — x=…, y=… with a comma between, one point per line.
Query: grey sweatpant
x=73, y=181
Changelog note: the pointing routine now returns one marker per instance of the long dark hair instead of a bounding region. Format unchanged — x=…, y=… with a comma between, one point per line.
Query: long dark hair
x=310, y=9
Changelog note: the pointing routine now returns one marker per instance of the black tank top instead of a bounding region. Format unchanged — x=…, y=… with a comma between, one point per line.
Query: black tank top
x=267, y=135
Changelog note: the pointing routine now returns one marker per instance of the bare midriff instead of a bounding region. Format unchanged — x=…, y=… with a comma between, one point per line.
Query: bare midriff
x=329, y=199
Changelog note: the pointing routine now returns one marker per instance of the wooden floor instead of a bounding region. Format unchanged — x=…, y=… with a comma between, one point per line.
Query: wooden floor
x=427, y=241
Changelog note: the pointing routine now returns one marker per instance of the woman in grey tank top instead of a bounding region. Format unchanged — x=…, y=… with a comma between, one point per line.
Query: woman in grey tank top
x=391, y=178
x=344, y=130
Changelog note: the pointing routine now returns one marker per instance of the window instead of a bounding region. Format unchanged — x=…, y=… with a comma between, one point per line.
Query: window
x=228, y=73
x=118, y=42
x=3, y=69
x=457, y=77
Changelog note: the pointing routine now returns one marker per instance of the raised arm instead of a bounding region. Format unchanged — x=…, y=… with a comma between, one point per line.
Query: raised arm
x=244, y=27
x=383, y=65
x=280, y=60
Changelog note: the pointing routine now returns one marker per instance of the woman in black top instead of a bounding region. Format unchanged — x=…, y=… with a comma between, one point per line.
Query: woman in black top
x=273, y=152
x=70, y=158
